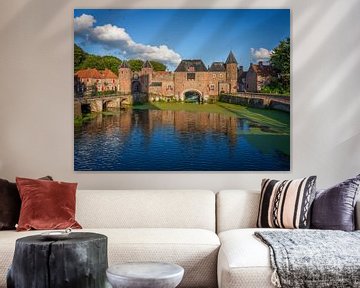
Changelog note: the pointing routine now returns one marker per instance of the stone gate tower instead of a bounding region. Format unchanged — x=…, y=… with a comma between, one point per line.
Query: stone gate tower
x=146, y=75
x=125, y=78
x=232, y=72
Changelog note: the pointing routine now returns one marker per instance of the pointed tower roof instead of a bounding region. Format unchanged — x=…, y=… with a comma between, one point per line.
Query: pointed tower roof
x=147, y=64
x=124, y=64
x=231, y=59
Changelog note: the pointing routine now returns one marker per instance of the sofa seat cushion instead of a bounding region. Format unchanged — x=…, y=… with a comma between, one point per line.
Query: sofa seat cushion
x=244, y=261
x=194, y=249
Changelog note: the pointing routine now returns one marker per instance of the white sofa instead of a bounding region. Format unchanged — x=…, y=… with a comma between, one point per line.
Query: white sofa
x=243, y=261
x=175, y=226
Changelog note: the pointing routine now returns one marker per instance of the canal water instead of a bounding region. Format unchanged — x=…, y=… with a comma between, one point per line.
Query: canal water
x=184, y=137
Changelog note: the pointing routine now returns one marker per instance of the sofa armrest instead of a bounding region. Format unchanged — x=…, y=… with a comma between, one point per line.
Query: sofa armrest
x=357, y=215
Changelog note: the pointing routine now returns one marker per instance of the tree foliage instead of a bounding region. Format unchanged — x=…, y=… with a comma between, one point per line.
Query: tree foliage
x=83, y=60
x=79, y=56
x=158, y=66
x=135, y=64
x=280, y=61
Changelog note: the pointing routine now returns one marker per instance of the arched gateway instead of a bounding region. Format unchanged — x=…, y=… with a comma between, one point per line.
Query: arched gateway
x=192, y=95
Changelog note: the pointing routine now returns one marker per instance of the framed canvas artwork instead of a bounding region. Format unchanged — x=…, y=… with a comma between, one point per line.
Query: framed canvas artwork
x=182, y=90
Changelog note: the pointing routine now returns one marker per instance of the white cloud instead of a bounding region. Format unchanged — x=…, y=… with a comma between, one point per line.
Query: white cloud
x=110, y=33
x=114, y=37
x=261, y=54
x=83, y=23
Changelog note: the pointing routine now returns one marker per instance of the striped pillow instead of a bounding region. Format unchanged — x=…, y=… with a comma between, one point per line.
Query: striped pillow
x=286, y=204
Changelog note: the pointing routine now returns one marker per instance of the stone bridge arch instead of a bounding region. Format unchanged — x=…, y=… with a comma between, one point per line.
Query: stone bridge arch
x=110, y=103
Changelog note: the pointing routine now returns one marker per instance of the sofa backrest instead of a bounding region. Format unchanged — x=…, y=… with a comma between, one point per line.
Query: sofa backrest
x=146, y=209
x=236, y=209
x=239, y=209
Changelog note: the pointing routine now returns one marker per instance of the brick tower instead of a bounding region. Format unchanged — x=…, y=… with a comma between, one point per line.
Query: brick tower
x=232, y=72
x=146, y=76
x=124, y=78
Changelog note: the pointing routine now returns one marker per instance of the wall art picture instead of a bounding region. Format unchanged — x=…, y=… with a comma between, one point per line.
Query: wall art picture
x=182, y=89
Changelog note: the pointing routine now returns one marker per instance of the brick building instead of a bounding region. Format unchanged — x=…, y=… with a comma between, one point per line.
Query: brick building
x=258, y=76
x=190, y=78
x=91, y=81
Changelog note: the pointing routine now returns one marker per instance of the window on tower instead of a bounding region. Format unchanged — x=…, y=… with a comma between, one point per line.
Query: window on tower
x=190, y=76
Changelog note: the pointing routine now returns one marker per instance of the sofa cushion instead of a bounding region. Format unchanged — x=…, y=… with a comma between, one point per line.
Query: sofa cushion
x=10, y=204
x=286, y=204
x=334, y=208
x=146, y=209
x=236, y=209
x=244, y=261
x=194, y=249
x=46, y=204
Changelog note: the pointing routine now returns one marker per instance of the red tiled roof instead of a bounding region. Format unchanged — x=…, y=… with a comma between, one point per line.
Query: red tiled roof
x=108, y=74
x=89, y=73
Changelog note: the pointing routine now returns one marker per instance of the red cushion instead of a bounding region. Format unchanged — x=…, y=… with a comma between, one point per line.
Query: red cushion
x=46, y=204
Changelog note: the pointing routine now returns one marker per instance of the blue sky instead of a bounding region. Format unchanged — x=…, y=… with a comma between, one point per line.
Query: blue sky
x=171, y=35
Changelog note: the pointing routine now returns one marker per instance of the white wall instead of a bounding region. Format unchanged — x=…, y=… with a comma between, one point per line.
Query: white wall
x=36, y=93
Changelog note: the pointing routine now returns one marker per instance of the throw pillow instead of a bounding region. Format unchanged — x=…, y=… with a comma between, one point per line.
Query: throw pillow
x=10, y=204
x=46, y=204
x=286, y=204
x=334, y=208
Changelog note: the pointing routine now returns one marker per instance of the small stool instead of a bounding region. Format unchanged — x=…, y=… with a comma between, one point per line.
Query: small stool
x=145, y=275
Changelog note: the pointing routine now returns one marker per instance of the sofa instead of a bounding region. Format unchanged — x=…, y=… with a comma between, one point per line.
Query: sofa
x=175, y=226
x=210, y=235
x=243, y=260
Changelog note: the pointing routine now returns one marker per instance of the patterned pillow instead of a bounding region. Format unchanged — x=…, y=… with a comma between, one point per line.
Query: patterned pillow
x=286, y=204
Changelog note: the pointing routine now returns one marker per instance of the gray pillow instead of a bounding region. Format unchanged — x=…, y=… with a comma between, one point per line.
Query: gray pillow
x=334, y=208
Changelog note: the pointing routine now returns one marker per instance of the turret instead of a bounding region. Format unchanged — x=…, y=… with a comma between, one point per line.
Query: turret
x=232, y=72
x=124, y=78
x=146, y=75
x=147, y=68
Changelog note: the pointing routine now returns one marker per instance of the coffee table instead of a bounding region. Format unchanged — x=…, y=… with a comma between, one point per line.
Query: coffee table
x=78, y=261
x=145, y=275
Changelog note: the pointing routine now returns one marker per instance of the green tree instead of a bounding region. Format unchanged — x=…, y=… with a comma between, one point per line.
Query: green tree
x=79, y=56
x=158, y=66
x=101, y=62
x=135, y=64
x=112, y=63
x=83, y=60
x=280, y=61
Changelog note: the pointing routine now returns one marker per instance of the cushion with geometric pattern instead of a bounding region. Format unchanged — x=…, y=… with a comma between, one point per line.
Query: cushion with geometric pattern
x=286, y=204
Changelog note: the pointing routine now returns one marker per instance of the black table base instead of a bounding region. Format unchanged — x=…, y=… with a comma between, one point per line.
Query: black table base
x=80, y=261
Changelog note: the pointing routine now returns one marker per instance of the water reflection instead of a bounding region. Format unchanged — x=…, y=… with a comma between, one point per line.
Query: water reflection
x=175, y=140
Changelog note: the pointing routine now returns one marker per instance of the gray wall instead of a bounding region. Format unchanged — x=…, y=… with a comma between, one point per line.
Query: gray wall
x=36, y=93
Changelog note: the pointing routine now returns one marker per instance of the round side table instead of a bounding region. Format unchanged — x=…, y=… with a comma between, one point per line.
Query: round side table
x=145, y=275
x=78, y=261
